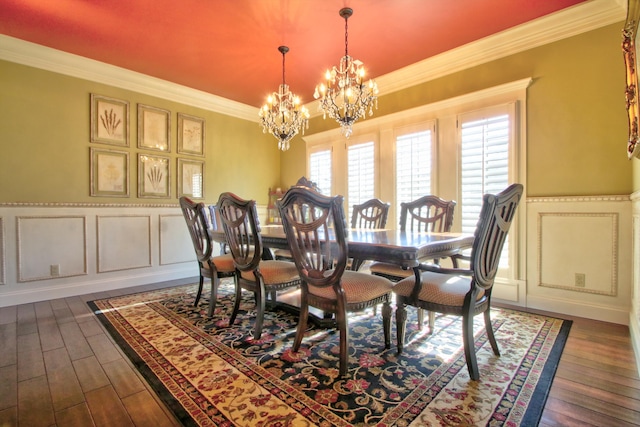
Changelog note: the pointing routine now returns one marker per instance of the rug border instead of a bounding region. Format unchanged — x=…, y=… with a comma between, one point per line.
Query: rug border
x=539, y=397
x=156, y=385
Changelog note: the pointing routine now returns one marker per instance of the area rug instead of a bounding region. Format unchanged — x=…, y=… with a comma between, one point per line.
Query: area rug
x=210, y=374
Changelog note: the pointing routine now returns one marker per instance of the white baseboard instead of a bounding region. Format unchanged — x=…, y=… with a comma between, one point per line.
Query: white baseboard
x=634, y=331
x=580, y=309
x=97, y=284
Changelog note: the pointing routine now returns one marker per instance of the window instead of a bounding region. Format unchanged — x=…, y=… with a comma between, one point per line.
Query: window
x=361, y=174
x=485, y=140
x=320, y=170
x=458, y=149
x=413, y=166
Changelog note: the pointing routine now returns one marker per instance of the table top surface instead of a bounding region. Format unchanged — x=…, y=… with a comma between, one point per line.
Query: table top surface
x=401, y=247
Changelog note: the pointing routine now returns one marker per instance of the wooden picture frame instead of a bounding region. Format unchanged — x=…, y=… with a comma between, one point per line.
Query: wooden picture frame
x=191, y=135
x=191, y=178
x=629, y=34
x=109, y=120
x=109, y=173
x=154, y=128
x=154, y=176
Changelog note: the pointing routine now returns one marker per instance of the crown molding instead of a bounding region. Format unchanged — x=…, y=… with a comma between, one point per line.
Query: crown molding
x=551, y=28
x=569, y=22
x=38, y=56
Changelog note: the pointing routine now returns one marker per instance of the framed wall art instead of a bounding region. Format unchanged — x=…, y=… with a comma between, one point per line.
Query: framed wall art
x=629, y=35
x=109, y=120
x=191, y=135
x=154, y=126
x=109, y=173
x=191, y=178
x=154, y=176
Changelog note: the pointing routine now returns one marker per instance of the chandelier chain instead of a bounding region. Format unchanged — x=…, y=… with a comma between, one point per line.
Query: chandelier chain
x=346, y=36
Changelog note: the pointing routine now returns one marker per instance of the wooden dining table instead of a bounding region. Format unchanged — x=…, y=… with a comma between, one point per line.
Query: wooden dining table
x=404, y=248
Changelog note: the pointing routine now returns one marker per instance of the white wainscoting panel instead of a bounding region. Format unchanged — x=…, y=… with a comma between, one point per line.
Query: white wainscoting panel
x=124, y=242
x=175, y=243
x=634, y=316
x=563, y=242
x=92, y=247
x=45, y=242
x=586, y=236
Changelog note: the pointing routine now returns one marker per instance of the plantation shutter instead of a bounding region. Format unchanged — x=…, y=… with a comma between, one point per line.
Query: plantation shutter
x=484, y=163
x=413, y=167
x=320, y=170
x=361, y=174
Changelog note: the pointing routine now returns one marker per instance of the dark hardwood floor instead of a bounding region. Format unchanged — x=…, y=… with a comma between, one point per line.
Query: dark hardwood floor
x=59, y=367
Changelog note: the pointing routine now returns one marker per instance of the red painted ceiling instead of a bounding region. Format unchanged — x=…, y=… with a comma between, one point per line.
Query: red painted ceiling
x=230, y=47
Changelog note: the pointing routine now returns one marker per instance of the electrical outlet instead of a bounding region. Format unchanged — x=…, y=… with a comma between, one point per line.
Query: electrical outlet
x=580, y=280
x=54, y=270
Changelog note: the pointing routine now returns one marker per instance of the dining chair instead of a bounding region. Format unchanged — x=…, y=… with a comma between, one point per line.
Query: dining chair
x=211, y=267
x=303, y=181
x=427, y=213
x=262, y=277
x=370, y=214
x=315, y=228
x=464, y=292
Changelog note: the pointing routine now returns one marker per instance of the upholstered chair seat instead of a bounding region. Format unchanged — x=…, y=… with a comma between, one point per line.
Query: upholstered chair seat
x=444, y=289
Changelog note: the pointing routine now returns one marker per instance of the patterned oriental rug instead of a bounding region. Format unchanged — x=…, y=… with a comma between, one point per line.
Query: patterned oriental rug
x=209, y=374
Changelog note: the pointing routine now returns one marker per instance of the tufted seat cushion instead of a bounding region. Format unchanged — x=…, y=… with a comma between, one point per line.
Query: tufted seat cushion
x=274, y=272
x=359, y=287
x=223, y=263
x=438, y=288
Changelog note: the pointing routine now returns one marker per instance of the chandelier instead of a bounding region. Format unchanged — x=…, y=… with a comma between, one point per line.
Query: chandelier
x=344, y=96
x=283, y=115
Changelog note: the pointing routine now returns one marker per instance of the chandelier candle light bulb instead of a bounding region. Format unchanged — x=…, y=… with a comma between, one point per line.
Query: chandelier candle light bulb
x=344, y=97
x=283, y=115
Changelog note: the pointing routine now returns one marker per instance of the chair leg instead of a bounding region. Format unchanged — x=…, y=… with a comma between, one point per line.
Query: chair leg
x=386, y=323
x=401, y=324
x=197, y=300
x=215, y=283
x=341, y=317
x=261, y=308
x=469, y=346
x=236, y=304
x=302, y=323
x=432, y=321
x=489, y=327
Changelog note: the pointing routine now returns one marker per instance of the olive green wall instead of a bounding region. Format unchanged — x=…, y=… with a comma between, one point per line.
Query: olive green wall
x=576, y=118
x=576, y=128
x=45, y=134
